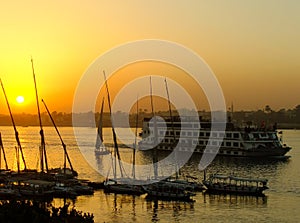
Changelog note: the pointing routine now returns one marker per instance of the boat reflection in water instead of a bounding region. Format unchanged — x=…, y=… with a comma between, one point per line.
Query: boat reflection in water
x=129, y=207
x=176, y=208
x=223, y=199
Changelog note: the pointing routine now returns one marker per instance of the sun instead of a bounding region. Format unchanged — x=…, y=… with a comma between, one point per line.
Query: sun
x=20, y=99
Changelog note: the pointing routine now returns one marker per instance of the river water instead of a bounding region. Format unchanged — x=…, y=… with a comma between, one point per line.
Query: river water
x=281, y=203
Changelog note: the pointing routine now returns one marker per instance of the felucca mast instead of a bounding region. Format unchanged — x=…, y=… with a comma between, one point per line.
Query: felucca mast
x=135, y=139
x=15, y=129
x=43, y=155
x=116, y=150
x=66, y=155
x=155, y=135
x=173, y=129
x=4, y=157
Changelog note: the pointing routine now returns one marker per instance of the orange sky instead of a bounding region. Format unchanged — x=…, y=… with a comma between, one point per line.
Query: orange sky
x=252, y=46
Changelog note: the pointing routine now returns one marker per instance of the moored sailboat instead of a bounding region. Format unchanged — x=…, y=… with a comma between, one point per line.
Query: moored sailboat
x=174, y=189
x=43, y=153
x=45, y=172
x=121, y=185
x=166, y=191
x=19, y=149
x=61, y=172
x=184, y=183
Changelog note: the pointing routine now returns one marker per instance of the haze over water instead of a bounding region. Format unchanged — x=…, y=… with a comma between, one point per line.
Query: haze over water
x=281, y=203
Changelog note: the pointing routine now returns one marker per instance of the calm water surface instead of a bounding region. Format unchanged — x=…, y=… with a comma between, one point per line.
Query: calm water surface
x=281, y=204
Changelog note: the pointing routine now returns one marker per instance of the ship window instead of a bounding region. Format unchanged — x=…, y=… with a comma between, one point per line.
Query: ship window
x=236, y=144
x=186, y=125
x=201, y=142
x=196, y=126
x=207, y=134
x=214, y=134
x=228, y=135
x=221, y=134
x=189, y=133
x=255, y=135
x=263, y=135
x=236, y=153
x=175, y=125
x=201, y=134
x=195, y=133
x=228, y=143
x=177, y=133
x=183, y=133
x=228, y=152
x=272, y=136
x=214, y=143
x=236, y=135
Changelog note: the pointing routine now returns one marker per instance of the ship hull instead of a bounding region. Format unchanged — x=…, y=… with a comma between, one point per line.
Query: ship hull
x=228, y=152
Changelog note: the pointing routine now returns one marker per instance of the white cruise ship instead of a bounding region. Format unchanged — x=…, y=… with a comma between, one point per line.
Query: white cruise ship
x=188, y=135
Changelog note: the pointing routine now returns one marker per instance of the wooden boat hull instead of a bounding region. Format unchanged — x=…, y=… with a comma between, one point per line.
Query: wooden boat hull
x=157, y=195
x=6, y=193
x=167, y=191
x=235, y=190
x=124, y=189
x=121, y=187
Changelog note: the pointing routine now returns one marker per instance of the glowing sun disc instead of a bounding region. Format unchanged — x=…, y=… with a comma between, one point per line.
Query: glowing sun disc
x=20, y=99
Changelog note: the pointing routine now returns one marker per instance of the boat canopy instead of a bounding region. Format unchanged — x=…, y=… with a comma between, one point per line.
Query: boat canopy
x=248, y=179
x=217, y=176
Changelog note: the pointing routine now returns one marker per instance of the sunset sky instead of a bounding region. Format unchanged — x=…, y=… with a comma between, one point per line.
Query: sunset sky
x=252, y=46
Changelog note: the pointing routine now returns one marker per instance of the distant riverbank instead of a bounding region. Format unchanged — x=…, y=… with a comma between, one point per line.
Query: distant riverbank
x=280, y=125
x=288, y=125
x=289, y=119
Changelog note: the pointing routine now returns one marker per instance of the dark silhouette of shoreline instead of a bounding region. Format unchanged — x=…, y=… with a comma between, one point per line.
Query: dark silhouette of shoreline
x=284, y=118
